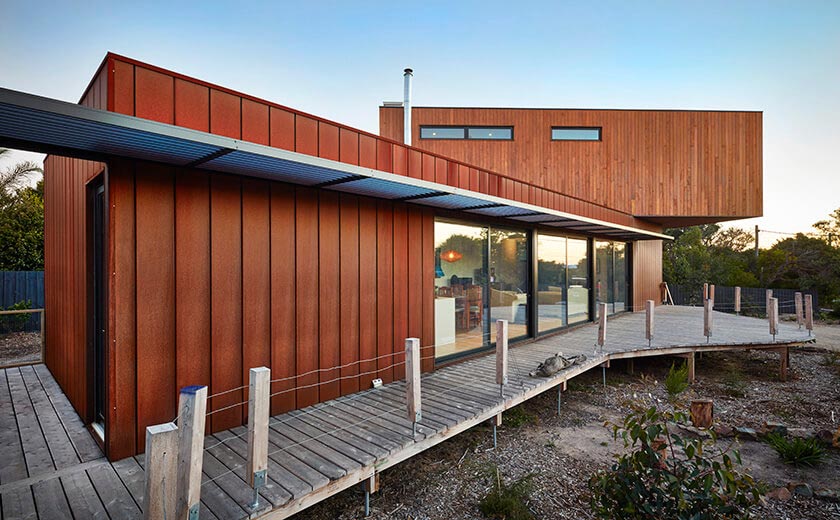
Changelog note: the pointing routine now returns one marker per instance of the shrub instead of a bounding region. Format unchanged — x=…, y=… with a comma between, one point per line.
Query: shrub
x=508, y=501
x=797, y=451
x=677, y=380
x=668, y=476
x=15, y=322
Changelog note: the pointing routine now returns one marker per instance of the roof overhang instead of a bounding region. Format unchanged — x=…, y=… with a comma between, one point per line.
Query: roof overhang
x=49, y=125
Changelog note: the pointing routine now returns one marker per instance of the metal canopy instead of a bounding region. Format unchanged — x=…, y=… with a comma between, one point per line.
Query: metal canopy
x=53, y=126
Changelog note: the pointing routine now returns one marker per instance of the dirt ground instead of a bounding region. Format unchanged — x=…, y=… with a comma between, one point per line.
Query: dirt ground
x=563, y=451
x=20, y=347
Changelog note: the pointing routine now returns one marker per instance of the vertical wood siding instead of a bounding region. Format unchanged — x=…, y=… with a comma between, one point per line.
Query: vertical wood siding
x=706, y=165
x=303, y=281
x=647, y=272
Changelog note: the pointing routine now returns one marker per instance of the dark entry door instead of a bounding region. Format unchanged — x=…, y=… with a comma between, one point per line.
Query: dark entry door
x=98, y=242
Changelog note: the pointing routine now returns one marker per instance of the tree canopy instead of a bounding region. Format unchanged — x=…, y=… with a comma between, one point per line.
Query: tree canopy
x=707, y=253
x=21, y=218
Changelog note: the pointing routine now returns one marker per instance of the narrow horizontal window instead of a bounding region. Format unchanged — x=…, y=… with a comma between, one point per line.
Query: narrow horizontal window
x=490, y=133
x=568, y=133
x=442, y=132
x=504, y=133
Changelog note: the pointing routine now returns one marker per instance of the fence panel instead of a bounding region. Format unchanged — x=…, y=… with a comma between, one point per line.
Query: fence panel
x=753, y=299
x=18, y=286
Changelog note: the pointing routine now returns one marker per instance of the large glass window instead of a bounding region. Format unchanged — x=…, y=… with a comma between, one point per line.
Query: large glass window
x=610, y=275
x=552, y=293
x=481, y=275
x=509, y=282
x=562, y=282
x=578, y=280
x=460, y=267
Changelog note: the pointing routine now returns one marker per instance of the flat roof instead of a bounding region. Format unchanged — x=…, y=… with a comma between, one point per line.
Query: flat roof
x=44, y=124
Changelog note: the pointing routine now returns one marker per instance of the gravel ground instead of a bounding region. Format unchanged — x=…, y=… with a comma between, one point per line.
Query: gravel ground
x=561, y=452
x=20, y=347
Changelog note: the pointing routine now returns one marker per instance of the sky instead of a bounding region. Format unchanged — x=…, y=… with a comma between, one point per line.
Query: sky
x=340, y=60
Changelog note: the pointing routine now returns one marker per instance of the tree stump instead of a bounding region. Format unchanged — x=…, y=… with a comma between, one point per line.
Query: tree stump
x=702, y=413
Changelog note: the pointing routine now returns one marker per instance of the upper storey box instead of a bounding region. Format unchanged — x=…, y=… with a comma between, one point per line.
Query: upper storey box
x=670, y=167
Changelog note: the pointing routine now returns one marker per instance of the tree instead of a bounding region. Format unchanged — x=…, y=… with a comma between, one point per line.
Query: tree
x=21, y=218
x=829, y=230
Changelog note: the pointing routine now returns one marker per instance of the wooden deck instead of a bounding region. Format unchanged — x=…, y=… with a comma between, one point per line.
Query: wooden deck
x=50, y=466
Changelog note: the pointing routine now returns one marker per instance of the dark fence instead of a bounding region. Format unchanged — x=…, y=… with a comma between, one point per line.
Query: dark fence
x=753, y=299
x=20, y=286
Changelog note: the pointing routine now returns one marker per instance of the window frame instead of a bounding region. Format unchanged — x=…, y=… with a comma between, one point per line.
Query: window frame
x=600, y=130
x=466, y=130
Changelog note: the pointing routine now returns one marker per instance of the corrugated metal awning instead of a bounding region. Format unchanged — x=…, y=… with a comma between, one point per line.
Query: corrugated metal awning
x=43, y=124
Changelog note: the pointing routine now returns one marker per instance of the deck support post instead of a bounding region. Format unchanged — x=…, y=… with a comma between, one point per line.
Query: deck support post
x=737, y=300
x=161, y=471
x=412, y=382
x=707, y=319
x=604, y=366
x=773, y=316
x=259, y=395
x=784, y=363
x=371, y=486
x=809, y=313
x=192, y=413
x=501, y=355
x=649, y=310
x=497, y=421
x=797, y=301
x=690, y=363
x=630, y=367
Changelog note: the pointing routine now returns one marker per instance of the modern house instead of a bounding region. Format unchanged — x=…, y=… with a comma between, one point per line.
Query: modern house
x=194, y=232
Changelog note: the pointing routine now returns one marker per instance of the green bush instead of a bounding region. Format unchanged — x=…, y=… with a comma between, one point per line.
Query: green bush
x=797, y=452
x=677, y=380
x=668, y=476
x=508, y=501
x=15, y=322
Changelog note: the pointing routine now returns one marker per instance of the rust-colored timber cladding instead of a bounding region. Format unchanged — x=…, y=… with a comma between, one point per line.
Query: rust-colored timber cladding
x=209, y=290
x=672, y=167
x=647, y=272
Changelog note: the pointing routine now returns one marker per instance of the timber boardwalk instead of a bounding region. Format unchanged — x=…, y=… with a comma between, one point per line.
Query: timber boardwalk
x=50, y=466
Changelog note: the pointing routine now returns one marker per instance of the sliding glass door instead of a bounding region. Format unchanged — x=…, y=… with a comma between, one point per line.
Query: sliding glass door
x=562, y=282
x=481, y=275
x=611, y=275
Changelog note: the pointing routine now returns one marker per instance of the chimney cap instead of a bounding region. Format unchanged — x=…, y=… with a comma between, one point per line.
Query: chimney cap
x=408, y=71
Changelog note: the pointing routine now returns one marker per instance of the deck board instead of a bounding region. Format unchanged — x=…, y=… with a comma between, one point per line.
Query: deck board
x=51, y=467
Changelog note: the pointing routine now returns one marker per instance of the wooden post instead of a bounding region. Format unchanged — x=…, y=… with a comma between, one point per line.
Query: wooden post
x=501, y=354
x=702, y=413
x=705, y=291
x=772, y=315
x=412, y=379
x=707, y=319
x=712, y=294
x=767, y=295
x=784, y=363
x=797, y=301
x=259, y=394
x=161, y=471
x=43, y=343
x=602, y=325
x=649, y=320
x=737, y=300
x=809, y=313
x=192, y=412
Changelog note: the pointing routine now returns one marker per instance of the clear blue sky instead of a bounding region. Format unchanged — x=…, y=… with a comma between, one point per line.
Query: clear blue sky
x=340, y=60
